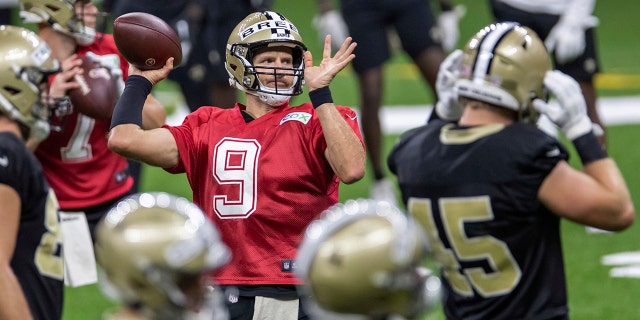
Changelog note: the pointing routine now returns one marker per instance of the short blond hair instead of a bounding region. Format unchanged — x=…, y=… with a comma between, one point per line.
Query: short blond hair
x=479, y=104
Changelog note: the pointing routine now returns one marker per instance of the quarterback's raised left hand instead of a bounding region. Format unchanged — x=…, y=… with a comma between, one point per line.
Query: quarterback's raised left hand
x=321, y=75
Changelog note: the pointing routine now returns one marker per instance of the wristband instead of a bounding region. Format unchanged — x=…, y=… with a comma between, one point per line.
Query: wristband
x=128, y=109
x=320, y=96
x=589, y=148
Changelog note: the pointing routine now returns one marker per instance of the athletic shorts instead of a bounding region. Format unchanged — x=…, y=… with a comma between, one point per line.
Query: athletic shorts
x=582, y=68
x=264, y=302
x=96, y=213
x=368, y=22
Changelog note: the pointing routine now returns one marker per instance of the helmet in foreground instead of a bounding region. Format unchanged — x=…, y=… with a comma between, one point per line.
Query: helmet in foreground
x=61, y=15
x=364, y=257
x=257, y=31
x=504, y=64
x=25, y=63
x=155, y=249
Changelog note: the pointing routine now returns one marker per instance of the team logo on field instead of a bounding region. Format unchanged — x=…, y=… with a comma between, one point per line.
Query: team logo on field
x=303, y=117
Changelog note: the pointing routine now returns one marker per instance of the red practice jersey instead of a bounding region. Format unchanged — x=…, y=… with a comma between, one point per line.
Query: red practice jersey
x=261, y=182
x=78, y=165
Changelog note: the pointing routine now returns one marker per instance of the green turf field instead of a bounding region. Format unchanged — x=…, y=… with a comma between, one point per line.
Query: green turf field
x=593, y=294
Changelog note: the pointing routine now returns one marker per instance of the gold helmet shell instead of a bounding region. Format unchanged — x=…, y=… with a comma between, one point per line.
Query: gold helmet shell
x=150, y=244
x=364, y=257
x=59, y=14
x=504, y=64
x=25, y=62
x=257, y=31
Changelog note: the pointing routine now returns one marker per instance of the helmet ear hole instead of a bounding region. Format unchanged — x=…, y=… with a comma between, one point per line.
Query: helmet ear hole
x=136, y=284
x=509, y=84
x=11, y=90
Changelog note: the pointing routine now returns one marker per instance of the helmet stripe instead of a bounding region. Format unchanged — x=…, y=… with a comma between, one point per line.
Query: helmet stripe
x=486, y=49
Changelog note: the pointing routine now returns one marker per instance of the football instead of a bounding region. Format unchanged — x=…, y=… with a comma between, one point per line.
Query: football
x=98, y=92
x=146, y=41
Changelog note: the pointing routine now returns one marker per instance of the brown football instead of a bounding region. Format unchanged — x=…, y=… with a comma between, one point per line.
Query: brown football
x=98, y=92
x=146, y=41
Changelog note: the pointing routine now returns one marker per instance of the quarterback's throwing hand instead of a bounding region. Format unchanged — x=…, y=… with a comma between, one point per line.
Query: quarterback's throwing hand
x=321, y=75
x=154, y=76
x=571, y=113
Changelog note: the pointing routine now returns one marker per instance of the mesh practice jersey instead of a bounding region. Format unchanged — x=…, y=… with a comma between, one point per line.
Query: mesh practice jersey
x=261, y=182
x=474, y=190
x=78, y=164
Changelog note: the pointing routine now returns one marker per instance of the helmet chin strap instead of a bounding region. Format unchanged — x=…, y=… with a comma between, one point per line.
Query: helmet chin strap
x=274, y=100
x=86, y=37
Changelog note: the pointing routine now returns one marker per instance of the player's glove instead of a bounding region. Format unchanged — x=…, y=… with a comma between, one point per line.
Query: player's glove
x=570, y=113
x=448, y=107
x=566, y=38
x=448, y=25
x=331, y=22
x=39, y=131
x=547, y=126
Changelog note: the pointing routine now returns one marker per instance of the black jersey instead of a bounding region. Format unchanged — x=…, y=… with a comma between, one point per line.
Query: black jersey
x=474, y=190
x=37, y=260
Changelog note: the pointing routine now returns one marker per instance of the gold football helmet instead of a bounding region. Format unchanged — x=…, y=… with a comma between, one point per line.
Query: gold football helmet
x=60, y=15
x=257, y=31
x=25, y=63
x=364, y=257
x=156, y=249
x=504, y=64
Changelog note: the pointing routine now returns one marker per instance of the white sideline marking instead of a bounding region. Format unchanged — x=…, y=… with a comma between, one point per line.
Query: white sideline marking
x=613, y=111
x=398, y=119
x=625, y=264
